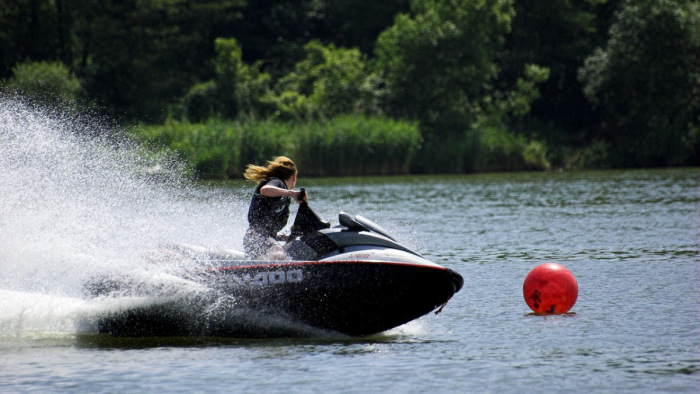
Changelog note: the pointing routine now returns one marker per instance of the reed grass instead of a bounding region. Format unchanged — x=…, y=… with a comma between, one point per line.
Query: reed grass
x=344, y=145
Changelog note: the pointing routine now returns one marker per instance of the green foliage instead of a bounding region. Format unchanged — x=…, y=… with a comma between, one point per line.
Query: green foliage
x=558, y=35
x=239, y=87
x=646, y=83
x=500, y=150
x=277, y=31
x=328, y=82
x=201, y=102
x=440, y=60
x=236, y=90
x=509, y=109
x=596, y=155
x=535, y=156
x=138, y=58
x=46, y=83
x=492, y=147
x=439, y=64
x=526, y=90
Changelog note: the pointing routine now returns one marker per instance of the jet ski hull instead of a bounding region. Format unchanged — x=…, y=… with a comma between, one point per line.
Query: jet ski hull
x=295, y=298
x=353, y=279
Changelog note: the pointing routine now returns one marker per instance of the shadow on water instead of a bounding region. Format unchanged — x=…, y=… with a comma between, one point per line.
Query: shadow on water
x=106, y=341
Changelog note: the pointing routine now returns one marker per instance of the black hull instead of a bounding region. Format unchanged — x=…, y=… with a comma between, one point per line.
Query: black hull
x=265, y=299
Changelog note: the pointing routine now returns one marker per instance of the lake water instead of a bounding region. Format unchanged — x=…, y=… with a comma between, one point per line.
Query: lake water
x=70, y=208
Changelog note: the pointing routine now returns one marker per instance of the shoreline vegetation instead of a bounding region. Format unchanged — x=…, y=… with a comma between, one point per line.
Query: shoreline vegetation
x=346, y=145
x=421, y=87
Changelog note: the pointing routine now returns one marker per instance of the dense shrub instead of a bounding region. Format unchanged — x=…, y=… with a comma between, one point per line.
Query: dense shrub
x=45, y=83
x=491, y=147
x=328, y=82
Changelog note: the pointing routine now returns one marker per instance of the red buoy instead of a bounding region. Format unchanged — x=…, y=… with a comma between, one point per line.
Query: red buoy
x=550, y=288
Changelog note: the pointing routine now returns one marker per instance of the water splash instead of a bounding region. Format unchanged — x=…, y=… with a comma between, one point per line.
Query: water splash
x=76, y=201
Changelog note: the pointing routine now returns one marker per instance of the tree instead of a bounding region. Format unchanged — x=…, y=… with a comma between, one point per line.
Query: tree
x=240, y=87
x=346, y=23
x=138, y=57
x=646, y=83
x=277, y=31
x=29, y=31
x=439, y=63
x=236, y=90
x=441, y=57
x=559, y=35
x=330, y=81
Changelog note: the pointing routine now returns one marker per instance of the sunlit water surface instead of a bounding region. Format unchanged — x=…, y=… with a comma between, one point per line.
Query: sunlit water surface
x=73, y=205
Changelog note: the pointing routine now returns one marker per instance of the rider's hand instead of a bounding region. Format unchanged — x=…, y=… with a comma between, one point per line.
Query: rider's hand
x=297, y=195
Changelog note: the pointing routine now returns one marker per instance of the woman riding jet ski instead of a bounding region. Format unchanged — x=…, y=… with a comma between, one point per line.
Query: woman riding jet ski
x=352, y=279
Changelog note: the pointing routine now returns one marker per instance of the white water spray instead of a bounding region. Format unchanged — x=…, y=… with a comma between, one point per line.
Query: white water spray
x=75, y=202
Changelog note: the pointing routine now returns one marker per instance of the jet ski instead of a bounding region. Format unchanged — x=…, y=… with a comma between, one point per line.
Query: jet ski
x=353, y=279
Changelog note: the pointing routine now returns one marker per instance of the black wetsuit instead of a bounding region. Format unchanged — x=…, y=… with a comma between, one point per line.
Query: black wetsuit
x=266, y=216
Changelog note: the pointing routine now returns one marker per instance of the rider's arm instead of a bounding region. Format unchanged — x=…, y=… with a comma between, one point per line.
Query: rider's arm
x=274, y=191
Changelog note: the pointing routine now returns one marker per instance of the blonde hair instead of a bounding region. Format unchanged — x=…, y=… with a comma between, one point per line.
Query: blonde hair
x=279, y=167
